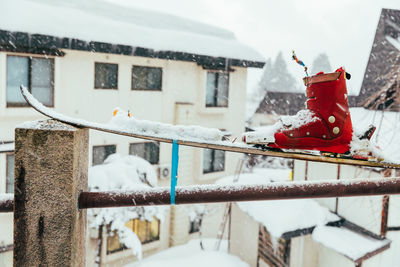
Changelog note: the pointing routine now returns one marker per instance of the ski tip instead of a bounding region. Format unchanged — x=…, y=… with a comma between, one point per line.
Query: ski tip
x=25, y=93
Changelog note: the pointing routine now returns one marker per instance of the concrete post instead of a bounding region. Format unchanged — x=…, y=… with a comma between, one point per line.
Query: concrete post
x=51, y=166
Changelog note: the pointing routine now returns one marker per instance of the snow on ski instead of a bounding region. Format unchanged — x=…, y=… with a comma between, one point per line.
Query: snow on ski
x=197, y=141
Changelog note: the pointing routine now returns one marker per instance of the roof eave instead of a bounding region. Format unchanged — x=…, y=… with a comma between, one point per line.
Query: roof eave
x=50, y=45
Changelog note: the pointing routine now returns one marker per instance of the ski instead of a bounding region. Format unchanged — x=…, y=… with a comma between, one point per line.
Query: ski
x=219, y=145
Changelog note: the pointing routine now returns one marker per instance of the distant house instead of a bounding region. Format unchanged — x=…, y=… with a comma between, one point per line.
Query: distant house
x=380, y=86
x=308, y=246
x=300, y=232
x=85, y=58
x=275, y=104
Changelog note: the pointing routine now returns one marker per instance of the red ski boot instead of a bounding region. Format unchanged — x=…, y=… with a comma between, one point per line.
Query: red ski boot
x=325, y=125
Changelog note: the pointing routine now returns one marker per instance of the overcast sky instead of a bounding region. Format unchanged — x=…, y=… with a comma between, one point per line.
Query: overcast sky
x=343, y=29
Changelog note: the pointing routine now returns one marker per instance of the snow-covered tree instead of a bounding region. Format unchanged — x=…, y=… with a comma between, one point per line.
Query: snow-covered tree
x=123, y=173
x=265, y=80
x=282, y=80
x=258, y=92
x=276, y=77
x=321, y=63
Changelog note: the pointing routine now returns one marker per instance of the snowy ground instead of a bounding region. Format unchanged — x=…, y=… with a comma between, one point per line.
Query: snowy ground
x=191, y=255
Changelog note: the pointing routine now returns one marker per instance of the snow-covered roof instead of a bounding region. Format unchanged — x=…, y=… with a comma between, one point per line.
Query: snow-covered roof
x=105, y=22
x=288, y=215
x=6, y=147
x=281, y=216
x=282, y=103
x=351, y=244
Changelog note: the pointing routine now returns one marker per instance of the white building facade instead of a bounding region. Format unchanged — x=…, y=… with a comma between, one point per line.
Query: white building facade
x=88, y=78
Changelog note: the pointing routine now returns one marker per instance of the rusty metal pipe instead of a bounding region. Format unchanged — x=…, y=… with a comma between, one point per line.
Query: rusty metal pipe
x=6, y=202
x=231, y=193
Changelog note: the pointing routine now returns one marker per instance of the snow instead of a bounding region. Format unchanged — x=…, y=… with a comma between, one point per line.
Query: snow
x=385, y=136
x=6, y=197
x=281, y=216
x=265, y=134
x=123, y=173
x=191, y=255
x=394, y=42
x=106, y=22
x=6, y=147
x=258, y=176
x=347, y=242
x=303, y=117
x=46, y=125
x=125, y=123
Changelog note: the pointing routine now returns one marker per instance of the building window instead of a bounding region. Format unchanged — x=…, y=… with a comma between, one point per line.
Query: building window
x=10, y=173
x=217, y=91
x=36, y=74
x=195, y=225
x=100, y=153
x=147, y=231
x=105, y=76
x=146, y=78
x=213, y=160
x=148, y=151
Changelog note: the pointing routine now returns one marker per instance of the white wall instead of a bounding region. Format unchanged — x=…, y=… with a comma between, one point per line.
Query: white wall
x=303, y=252
x=244, y=236
x=363, y=211
x=330, y=258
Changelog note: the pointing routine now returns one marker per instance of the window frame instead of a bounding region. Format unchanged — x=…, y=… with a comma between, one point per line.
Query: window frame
x=30, y=57
x=154, y=142
x=195, y=225
x=117, y=77
x=7, y=155
x=216, y=83
x=122, y=246
x=102, y=146
x=147, y=89
x=212, y=162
